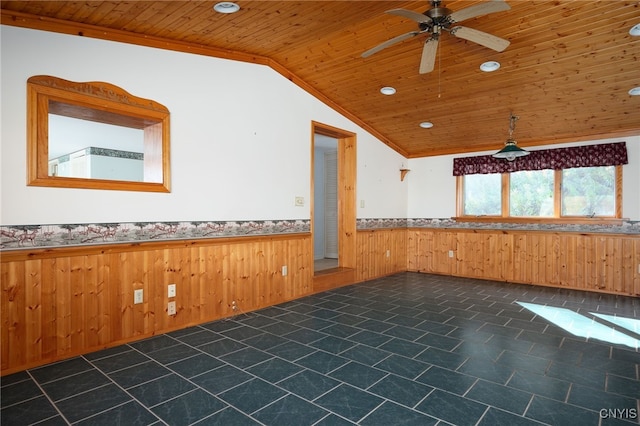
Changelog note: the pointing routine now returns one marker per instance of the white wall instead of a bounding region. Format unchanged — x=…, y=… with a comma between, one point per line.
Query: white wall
x=240, y=137
x=432, y=186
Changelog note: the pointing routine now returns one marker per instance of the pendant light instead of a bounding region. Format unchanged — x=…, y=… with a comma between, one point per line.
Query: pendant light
x=511, y=151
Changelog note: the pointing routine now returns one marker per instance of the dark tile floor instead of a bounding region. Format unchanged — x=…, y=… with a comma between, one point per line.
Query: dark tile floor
x=410, y=349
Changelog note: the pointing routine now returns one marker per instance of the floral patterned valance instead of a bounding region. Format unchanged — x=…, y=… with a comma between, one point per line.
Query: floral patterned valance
x=610, y=154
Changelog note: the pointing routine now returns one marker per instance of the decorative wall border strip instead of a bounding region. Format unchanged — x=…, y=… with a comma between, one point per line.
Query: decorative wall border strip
x=13, y=237
x=64, y=235
x=627, y=226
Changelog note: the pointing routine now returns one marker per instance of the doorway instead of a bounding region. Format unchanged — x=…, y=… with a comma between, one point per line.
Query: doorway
x=333, y=212
x=325, y=206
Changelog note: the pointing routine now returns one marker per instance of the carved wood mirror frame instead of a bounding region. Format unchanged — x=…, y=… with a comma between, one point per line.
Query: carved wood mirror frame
x=103, y=103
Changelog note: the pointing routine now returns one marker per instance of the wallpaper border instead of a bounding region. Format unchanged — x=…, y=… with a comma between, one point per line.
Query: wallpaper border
x=15, y=237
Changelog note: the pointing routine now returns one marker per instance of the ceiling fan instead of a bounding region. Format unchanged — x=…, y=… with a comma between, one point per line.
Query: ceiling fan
x=439, y=19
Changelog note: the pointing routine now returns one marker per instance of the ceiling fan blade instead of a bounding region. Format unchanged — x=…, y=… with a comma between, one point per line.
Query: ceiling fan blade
x=388, y=43
x=418, y=17
x=428, y=59
x=485, y=39
x=479, y=10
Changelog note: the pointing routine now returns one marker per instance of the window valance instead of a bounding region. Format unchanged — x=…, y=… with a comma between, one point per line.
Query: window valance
x=610, y=154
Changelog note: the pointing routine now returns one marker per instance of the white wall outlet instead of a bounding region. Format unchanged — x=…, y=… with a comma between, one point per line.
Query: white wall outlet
x=171, y=308
x=450, y=253
x=138, y=296
x=171, y=290
x=299, y=201
x=234, y=306
x=284, y=271
x=362, y=204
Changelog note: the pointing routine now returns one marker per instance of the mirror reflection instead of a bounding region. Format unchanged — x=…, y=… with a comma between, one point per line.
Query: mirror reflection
x=95, y=135
x=86, y=149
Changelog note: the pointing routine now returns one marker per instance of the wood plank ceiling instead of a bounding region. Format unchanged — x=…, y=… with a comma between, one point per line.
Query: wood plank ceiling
x=567, y=73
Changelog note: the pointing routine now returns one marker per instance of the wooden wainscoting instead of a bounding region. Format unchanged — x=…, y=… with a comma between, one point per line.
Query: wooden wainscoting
x=595, y=262
x=58, y=303
x=380, y=252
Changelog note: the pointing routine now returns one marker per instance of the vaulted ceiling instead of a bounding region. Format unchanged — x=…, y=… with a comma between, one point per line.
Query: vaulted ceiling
x=566, y=73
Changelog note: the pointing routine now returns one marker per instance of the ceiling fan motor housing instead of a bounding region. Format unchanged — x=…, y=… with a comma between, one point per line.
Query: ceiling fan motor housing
x=439, y=18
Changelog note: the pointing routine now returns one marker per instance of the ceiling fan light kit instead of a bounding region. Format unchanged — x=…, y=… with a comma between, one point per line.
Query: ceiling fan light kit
x=438, y=19
x=511, y=150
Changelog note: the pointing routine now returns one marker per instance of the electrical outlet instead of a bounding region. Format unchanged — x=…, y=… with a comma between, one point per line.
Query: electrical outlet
x=171, y=308
x=234, y=306
x=171, y=290
x=299, y=201
x=284, y=271
x=388, y=253
x=450, y=253
x=138, y=296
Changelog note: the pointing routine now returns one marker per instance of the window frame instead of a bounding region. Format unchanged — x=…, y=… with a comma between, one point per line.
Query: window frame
x=557, y=204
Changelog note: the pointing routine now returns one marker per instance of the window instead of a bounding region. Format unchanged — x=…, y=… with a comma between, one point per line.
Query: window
x=565, y=183
x=531, y=193
x=583, y=192
x=482, y=195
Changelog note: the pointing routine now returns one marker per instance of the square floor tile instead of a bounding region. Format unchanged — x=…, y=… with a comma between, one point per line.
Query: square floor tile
x=393, y=414
x=309, y=384
x=402, y=366
x=228, y=416
x=222, y=347
x=28, y=412
x=137, y=374
x=60, y=369
x=452, y=408
x=160, y=390
x=221, y=379
x=246, y=357
x=252, y=395
x=274, y=370
x=18, y=392
x=496, y=417
x=540, y=385
x=291, y=351
x=449, y=380
x=403, y=391
x=333, y=344
x=78, y=383
x=500, y=396
x=130, y=413
x=349, y=402
x=195, y=365
x=93, y=402
x=322, y=362
x=189, y=408
x=358, y=375
x=290, y=410
x=555, y=412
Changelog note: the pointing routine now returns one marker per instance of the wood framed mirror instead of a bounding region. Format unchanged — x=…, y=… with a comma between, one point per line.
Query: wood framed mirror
x=95, y=135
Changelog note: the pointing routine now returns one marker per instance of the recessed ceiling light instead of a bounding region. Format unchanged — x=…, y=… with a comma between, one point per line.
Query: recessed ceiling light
x=388, y=91
x=226, y=7
x=635, y=91
x=426, y=124
x=635, y=30
x=490, y=66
